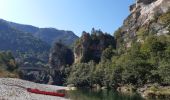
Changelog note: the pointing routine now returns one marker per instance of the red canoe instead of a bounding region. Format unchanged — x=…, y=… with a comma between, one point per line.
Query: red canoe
x=45, y=92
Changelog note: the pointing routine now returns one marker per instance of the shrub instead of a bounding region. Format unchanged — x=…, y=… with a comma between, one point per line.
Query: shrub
x=165, y=18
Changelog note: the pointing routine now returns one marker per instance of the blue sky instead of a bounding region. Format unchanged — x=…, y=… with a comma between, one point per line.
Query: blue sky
x=74, y=15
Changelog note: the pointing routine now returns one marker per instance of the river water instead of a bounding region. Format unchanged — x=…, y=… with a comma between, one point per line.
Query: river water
x=86, y=94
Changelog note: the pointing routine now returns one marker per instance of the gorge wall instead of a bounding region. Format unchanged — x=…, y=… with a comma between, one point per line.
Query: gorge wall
x=147, y=17
x=90, y=46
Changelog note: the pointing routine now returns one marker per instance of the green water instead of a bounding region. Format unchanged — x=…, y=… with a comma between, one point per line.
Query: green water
x=87, y=94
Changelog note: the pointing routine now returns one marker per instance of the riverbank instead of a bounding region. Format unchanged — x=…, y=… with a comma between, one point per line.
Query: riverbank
x=155, y=92
x=148, y=91
x=14, y=89
x=106, y=94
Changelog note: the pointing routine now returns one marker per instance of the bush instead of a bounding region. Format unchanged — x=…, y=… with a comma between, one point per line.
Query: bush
x=7, y=61
x=108, y=53
x=142, y=32
x=165, y=18
x=164, y=72
x=81, y=74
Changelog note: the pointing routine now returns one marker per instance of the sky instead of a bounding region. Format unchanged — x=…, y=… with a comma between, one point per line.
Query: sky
x=74, y=15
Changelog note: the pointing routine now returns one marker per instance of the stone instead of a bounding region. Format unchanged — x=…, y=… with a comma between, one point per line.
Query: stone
x=104, y=88
x=146, y=1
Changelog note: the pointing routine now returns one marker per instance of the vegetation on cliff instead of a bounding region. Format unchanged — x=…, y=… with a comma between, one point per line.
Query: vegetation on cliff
x=90, y=46
x=145, y=59
x=141, y=64
x=137, y=54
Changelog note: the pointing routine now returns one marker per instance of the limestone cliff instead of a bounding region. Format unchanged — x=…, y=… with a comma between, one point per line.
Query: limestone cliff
x=60, y=55
x=147, y=17
x=90, y=46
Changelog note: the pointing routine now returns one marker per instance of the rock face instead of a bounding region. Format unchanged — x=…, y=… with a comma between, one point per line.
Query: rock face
x=145, y=1
x=90, y=46
x=53, y=73
x=60, y=55
x=145, y=15
x=59, y=59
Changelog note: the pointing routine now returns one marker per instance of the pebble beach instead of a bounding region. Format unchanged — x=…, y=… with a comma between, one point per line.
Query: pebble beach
x=15, y=89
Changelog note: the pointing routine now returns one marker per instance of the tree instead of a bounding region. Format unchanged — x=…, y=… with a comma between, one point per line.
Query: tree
x=108, y=53
x=164, y=72
x=81, y=74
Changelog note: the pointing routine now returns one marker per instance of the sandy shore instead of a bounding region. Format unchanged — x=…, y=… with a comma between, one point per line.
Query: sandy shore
x=11, y=89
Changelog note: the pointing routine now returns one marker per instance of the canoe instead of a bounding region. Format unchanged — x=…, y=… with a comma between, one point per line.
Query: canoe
x=37, y=91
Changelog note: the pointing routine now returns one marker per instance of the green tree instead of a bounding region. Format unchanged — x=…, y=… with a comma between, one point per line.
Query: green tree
x=108, y=53
x=164, y=72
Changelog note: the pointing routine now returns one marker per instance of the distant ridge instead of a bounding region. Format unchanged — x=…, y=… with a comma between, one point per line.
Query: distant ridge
x=49, y=35
x=29, y=43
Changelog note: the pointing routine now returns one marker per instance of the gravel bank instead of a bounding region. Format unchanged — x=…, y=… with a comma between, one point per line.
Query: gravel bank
x=14, y=89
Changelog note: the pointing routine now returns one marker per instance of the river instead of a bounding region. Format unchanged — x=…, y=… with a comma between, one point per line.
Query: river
x=86, y=94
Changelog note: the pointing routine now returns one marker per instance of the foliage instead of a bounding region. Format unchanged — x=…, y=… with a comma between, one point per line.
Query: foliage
x=7, y=61
x=118, y=36
x=164, y=72
x=8, y=65
x=108, y=53
x=143, y=63
x=165, y=18
x=142, y=32
x=82, y=74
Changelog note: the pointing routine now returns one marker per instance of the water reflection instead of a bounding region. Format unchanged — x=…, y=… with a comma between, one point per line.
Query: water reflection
x=86, y=94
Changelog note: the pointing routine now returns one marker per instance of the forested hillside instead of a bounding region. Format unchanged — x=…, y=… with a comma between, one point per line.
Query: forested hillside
x=31, y=48
x=23, y=45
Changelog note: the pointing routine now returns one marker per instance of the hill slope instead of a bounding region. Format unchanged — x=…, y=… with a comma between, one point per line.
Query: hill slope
x=23, y=45
x=49, y=35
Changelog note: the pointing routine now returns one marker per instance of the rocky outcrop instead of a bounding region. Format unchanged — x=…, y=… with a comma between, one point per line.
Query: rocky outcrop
x=53, y=73
x=145, y=1
x=154, y=91
x=60, y=55
x=145, y=14
x=90, y=46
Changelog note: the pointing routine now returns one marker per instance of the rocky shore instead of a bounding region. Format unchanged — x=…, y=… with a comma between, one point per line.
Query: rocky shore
x=15, y=89
x=148, y=91
x=155, y=92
